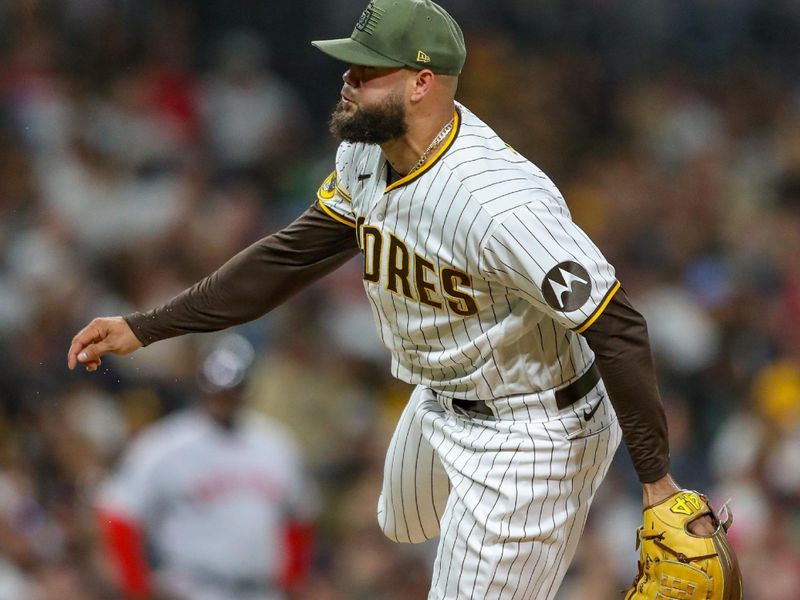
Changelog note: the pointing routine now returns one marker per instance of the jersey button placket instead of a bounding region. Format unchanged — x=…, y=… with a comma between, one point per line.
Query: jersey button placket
x=379, y=210
x=383, y=203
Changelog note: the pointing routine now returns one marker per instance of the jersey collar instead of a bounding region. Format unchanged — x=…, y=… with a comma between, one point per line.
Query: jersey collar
x=434, y=158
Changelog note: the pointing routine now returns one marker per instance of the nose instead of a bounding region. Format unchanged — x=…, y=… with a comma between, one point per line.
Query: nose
x=349, y=78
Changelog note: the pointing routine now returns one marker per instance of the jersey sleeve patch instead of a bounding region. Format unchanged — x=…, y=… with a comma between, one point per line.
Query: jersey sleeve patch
x=542, y=256
x=331, y=187
x=327, y=189
x=334, y=201
x=567, y=286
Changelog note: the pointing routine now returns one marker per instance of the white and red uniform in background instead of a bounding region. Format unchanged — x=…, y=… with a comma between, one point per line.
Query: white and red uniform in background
x=200, y=512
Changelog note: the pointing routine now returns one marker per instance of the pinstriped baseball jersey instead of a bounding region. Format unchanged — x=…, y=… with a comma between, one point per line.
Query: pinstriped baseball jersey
x=479, y=280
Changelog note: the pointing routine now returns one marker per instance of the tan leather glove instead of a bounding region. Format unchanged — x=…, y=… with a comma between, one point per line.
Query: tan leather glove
x=675, y=564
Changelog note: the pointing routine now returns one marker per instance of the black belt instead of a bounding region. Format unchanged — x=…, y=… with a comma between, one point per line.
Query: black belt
x=569, y=395
x=566, y=396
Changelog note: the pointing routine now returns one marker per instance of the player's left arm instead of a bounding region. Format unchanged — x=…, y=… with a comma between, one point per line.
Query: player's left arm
x=618, y=337
x=543, y=256
x=670, y=557
x=619, y=340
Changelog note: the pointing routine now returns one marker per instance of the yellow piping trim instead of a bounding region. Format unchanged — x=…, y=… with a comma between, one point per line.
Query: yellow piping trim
x=333, y=215
x=429, y=163
x=343, y=193
x=599, y=310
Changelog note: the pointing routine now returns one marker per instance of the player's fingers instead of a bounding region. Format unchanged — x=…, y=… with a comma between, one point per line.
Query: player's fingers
x=93, y=352
x=91, y=333
x=72, y=354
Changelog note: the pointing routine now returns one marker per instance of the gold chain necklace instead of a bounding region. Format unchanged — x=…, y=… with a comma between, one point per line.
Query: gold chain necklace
x=436, y=141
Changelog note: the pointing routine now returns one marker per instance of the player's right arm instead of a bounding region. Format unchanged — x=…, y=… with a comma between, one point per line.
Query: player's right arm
x=249, y=285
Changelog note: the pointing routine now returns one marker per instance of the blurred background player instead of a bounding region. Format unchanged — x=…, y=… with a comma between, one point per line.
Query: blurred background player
x=211, y=502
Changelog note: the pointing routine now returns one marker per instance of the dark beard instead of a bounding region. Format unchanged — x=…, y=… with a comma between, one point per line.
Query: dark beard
x=370, y=125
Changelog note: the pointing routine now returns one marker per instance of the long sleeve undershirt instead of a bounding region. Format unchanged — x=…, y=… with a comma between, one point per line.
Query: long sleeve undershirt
x=622, y=354
x=253, y=282
x=265, y=274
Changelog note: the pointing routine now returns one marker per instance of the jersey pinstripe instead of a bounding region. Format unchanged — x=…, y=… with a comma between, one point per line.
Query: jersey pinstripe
x=470, y=265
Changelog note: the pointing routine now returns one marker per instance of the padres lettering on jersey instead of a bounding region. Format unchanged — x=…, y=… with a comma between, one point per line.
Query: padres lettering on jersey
x=411, y=275
x=478, y=279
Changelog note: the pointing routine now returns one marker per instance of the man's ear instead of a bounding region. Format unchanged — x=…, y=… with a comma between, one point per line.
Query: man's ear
x=422, y=84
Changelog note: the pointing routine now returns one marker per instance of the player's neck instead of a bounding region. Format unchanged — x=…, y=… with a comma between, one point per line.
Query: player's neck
x=417, y=146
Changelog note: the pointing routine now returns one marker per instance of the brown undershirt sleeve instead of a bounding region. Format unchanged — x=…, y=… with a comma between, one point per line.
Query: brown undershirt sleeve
x=622, y=354
x=254, y=281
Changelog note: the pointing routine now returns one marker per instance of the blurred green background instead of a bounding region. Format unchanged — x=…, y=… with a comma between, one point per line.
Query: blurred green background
x=143, y=142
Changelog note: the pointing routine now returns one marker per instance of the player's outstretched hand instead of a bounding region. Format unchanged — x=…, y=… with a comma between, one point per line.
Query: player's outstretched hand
x=102, y=336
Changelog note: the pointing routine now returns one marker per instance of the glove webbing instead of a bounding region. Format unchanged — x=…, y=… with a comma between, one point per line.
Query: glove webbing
x=657, y=536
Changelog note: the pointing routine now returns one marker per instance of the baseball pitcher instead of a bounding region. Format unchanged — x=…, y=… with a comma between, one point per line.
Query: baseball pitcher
x=530, y=363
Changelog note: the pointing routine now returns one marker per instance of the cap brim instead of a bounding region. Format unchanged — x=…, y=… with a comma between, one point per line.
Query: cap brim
x=352, y=52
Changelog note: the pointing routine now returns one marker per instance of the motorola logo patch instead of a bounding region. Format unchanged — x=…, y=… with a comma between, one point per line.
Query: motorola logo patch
x=567, y=286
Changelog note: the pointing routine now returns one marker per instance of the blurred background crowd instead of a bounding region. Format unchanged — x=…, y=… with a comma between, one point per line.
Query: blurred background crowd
x=143, y=142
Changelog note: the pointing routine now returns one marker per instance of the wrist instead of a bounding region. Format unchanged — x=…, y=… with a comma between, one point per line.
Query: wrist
x=655, y=492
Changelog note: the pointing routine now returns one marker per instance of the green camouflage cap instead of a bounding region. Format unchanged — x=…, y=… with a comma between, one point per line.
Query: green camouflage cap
x=402, y=33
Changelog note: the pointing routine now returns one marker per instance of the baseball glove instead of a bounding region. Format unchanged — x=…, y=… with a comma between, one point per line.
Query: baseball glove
x=675, y=564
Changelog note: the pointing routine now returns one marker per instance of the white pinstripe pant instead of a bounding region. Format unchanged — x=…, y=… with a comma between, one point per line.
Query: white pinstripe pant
x=510, y=495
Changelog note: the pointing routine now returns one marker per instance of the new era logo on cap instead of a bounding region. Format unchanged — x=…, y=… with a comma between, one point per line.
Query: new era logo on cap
x=422, y=57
